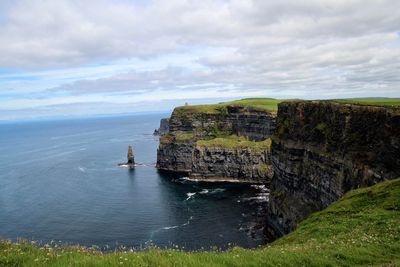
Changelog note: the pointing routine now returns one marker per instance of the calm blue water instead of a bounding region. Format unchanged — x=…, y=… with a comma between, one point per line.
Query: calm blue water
x=59, y=180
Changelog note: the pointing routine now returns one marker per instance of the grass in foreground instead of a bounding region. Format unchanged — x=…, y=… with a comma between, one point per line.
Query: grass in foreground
x=235, y=142
x=263, y=104
x=363, y=228
x=386, y=102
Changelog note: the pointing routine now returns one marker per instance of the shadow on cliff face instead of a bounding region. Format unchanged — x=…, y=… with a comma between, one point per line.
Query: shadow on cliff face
x=171, y=175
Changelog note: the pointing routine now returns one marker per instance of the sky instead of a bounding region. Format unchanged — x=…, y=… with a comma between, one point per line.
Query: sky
x=73, y=58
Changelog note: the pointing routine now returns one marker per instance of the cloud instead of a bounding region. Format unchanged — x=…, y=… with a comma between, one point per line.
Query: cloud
x=85, y=50
x=43, y=33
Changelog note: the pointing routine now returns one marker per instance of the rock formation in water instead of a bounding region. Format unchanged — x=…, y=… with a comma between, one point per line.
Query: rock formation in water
x=164, y=127
x=130, y=159
x=181, y=151
x=322, y=149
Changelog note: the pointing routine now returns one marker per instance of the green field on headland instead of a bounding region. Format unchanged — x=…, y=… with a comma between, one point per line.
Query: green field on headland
x=363, y=228
x=271, y=104
x=264, y=104
x=386, y=102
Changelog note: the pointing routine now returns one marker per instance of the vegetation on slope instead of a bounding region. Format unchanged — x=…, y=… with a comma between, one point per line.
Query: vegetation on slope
x=363, y=228
x=263, y=104
x=177, y=137
x=235, y=142
x=386, y=102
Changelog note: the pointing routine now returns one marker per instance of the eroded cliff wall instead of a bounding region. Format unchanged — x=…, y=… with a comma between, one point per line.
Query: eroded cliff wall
x=255, y=124
x=175, y=155
x=322, y=149
x=219, y=163
x=179, y=151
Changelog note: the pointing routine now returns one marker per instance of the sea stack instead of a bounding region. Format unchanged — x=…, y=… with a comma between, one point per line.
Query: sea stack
x=131, y=158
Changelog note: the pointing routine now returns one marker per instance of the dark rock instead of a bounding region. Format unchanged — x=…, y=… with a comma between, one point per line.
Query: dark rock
x=131, y=159
x=231, y=164
x=164, y=127
x=322, y=149
x=218, y=163
x=255, y=124
x=175, y=155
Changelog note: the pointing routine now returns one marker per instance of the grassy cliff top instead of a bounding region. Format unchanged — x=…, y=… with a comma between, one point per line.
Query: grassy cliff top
x=271, y=104
x=386, y=102
x=363, y=228
x=234, y=142
x=263, y=104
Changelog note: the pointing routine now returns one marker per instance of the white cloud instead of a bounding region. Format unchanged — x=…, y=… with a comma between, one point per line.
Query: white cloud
x=80, y=49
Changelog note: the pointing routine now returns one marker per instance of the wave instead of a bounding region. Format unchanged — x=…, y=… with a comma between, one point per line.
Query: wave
x=205, y=191
x=190, y=195
x=176, y=226
x=170, y=227
x=82, y=169
x=212, y=191
x=217, y=191
x=262, y=188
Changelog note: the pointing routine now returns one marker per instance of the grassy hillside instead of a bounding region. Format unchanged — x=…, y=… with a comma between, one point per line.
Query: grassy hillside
x=386, y=102
x=265, y=104
x=363, y=228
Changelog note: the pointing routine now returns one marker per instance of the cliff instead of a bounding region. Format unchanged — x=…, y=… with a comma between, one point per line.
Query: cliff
x=174, y=153
x=246, y=121
x=211, y=142
x=322, y=149
x=242, y=161
x=164, y=127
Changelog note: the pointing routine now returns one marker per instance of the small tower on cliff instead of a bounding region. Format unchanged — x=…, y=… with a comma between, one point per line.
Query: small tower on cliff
x=131, y=158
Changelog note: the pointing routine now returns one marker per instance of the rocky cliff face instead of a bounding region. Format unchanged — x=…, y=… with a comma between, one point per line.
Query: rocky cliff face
x=164, y=127
x=231, y=164
x=178, y=150
x=321, y=149
x=255, y=124
x=174, y=155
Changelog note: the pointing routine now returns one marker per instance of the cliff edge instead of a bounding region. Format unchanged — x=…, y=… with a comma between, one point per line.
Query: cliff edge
x=322, y=149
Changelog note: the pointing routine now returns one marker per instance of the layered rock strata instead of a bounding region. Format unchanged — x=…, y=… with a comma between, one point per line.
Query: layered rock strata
x=164, y=127
x=178, y=151
x=217, y=163
x=322, y=149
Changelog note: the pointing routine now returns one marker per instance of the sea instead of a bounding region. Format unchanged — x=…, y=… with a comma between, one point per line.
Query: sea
x=60, y=183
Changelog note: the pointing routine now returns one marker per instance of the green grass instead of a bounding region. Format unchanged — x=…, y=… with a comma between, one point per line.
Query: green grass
x=235, y=142
x=182, y=137
x=263, y=104
x=178, y=137
x=363, y=228
x=386, y=102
